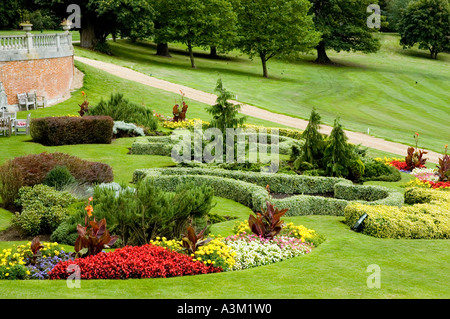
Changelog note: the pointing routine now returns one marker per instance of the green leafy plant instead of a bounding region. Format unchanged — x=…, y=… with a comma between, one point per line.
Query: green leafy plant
x=192, y=241
x=414, y=157
x=59, y=177
x=267, y=224
x=35, y=249
x=93, y=237
x=444, y=167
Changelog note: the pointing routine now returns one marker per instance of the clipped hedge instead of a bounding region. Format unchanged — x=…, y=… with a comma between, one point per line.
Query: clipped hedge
x=248, y=188
x=425, y=221
x=163, y=145
x=416, y=195
x=68, y=130
x=368, y=193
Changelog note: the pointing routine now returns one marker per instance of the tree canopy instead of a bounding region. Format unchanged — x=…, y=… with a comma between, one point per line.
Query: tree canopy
x=269, y=28
x=426, y=22
x=343, y=24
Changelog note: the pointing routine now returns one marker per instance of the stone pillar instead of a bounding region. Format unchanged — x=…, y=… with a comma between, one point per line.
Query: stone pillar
x=3, y=99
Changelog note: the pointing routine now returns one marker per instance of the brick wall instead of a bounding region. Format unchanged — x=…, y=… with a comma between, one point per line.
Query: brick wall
x=51, y=78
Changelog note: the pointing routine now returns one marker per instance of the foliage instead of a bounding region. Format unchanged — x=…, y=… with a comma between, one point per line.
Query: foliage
x=121, y=109
x=443, y=169
x=32, y=169
x=267, y=224
x=59, y=177
x=196, y=23
x=43, y=209
x=122, y=129
x=141, y=214
x=414, y=195
x=420, y=221
x=66, y=130
x=343, y=26
x=93, y=237
x=147, y=261
x=426, y=22
x=394, y=11
x=379, y=171
x=269, y=28
x=312, y=150
x=414, y=158
x=224, y=113
x=339, y=157
x=192, y=241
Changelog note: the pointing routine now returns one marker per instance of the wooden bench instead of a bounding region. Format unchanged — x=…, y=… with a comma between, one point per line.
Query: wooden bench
x=6, y=126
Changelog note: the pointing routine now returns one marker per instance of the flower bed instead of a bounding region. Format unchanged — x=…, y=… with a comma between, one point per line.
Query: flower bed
x=148, y=261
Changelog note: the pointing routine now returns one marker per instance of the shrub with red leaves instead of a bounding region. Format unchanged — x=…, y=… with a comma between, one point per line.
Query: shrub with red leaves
x=146, y=261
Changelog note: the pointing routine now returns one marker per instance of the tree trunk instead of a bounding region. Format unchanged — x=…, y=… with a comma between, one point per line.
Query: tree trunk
x=264, y=64
x=162, y=49
x=191, y=56
x=434, y=53
x=213, y=52
x=88, y=37
x=322, y=56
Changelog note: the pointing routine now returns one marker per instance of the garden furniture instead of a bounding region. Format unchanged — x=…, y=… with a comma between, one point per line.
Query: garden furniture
x=5, y=126
x=24, y=101
x=22, y=126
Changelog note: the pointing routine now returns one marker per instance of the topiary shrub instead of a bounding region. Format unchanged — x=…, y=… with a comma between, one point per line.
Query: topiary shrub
x=67, y=130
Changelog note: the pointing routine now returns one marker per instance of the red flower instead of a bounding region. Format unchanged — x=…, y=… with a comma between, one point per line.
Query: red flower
x=146, y=261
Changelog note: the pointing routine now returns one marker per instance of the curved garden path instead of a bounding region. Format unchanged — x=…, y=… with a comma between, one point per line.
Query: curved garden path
x=208, y=98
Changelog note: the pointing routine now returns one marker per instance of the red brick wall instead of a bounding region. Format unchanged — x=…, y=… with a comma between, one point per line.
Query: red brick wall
x=51, y=78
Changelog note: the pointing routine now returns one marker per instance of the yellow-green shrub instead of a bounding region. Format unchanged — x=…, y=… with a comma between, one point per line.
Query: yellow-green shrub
x=416, y=195
x=426, y=221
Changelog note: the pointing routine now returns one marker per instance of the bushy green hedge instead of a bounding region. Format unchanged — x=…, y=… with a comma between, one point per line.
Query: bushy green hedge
x=278, y=183
x=163, y=145
x=426, y=221
x=68, y=130
x=374, y=194
x=43, y=209
x=249, y=189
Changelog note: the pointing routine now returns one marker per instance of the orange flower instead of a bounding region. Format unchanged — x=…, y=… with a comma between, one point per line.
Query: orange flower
x=82, y=93
x=91, y=199
x=89, y=209
x=417, y=134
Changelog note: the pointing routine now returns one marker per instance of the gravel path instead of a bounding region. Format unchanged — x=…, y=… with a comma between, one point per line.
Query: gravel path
x=207, y=98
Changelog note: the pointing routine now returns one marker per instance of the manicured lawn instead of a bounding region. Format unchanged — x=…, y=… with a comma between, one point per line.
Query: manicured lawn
x=336, y=269
x=394, y=92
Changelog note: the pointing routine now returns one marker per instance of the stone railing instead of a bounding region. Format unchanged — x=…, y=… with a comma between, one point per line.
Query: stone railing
x=35, y=46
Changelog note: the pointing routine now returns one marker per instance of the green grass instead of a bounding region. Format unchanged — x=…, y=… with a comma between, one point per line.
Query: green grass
x=336, y=269
x=376, y=91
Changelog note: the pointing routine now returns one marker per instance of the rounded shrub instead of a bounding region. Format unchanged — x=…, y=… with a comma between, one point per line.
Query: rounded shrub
x=59, y=177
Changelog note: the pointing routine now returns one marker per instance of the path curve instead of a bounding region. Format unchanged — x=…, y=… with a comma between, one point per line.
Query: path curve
x=208, y=98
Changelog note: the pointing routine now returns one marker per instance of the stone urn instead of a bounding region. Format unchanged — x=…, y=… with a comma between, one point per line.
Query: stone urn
x=26, y=26
x=66, y=25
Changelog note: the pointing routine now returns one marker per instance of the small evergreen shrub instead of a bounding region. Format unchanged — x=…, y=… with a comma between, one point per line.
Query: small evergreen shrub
x=43, y=209
x=120, y=109
x=59, y=177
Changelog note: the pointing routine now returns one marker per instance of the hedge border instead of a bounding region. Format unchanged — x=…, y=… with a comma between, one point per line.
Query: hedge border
x=248, y=188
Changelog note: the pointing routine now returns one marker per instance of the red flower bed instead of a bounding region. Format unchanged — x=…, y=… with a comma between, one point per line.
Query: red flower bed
x=400, y=165
x=146, y=261
x=439, y=184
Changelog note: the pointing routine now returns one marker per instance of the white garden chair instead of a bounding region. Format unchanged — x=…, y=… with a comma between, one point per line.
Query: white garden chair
x=22, y=126
x=24, y=102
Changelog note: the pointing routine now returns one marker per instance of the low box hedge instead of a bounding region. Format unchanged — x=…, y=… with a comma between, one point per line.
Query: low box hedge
x=248, y=188
x=68, y=130
x=420, y=221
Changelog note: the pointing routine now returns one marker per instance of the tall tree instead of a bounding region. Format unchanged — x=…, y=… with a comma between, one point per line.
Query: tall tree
x=99, y=18
x=394, y=12
x=199, y=23
x=269, y=28
x=343, y=24
x=426, y=22
x=312, y=150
